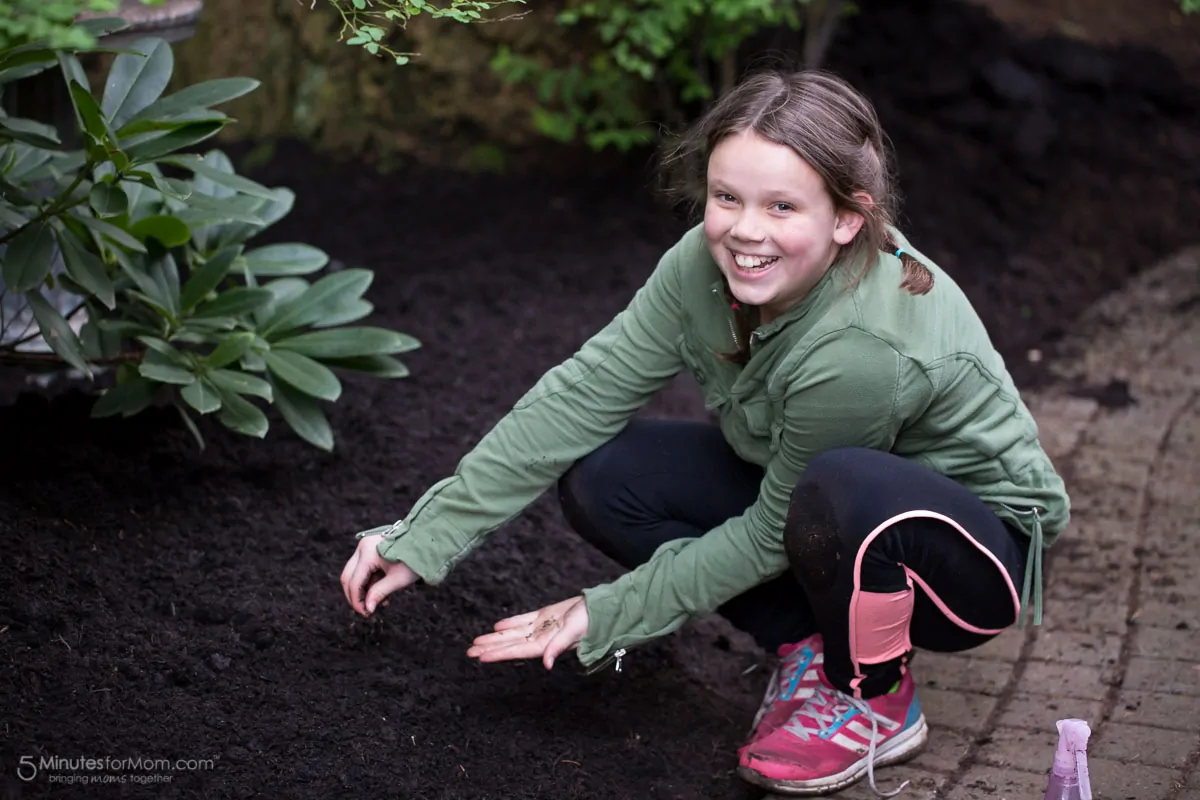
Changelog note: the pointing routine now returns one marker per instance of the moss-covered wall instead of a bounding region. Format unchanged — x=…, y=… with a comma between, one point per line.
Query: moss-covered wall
x=446, y=105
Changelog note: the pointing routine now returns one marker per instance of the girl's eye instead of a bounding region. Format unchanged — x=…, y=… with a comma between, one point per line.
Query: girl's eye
x=783, y=206
x=725, y=197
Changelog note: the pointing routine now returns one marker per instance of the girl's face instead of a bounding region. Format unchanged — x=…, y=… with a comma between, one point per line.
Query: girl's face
x=770, y=222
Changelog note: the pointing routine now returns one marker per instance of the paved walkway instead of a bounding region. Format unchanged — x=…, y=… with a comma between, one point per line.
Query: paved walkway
x=1120, y=646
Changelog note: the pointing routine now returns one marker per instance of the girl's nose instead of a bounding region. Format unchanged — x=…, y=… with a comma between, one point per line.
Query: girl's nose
x=747, y=228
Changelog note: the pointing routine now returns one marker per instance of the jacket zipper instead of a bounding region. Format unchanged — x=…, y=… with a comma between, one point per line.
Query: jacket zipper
x=616, y=655
x=732, y=329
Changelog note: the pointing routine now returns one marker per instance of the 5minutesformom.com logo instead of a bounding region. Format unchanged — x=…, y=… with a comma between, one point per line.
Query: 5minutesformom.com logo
x=107, y=769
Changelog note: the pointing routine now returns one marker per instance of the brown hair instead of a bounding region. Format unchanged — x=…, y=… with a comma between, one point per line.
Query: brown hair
x=835, y=130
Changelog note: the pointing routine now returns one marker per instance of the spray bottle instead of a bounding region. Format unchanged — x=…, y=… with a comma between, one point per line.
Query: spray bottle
x=1069, y=776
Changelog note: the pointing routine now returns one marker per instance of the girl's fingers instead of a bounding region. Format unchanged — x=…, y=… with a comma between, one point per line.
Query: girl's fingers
x=520, y=649
x=347, y=571
x=518, y=621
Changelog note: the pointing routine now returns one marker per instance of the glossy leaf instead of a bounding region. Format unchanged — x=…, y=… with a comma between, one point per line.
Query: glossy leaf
x=220, y=177
x=27, y=258
x=234, y=381
x=234, y=303
x=137, y=79
x=229, y=351
x=112, y=232
x=208, y=277
x=85, y=268
x=168, y=230
x=202, y=396
x=157, y=146
x=375, y=366
x=285, y=259
x=242, y=416
x=57, y=332
x=166, y=373
x=304, y=374
x=349, y=342
x=197, y=96
x=29, y=132
x=126, y=398
x=304, y=416
x=107, y=200
x=330, y=291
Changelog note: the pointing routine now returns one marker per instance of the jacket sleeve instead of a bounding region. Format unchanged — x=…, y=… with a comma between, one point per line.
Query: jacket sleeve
x=573, y=409
x=841, y=393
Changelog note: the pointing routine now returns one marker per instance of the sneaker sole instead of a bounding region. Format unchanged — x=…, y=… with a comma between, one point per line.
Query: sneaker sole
x=900, y=748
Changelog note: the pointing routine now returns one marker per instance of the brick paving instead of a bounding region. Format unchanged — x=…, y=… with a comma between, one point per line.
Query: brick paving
x=1120, y=646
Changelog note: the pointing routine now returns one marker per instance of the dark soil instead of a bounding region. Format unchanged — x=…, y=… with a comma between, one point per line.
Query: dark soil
x=165, y=603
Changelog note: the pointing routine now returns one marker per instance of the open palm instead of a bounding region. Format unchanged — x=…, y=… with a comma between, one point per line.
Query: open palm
x=545, y=633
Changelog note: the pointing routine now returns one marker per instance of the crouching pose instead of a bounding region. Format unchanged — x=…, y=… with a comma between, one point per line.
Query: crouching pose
x=874, y=483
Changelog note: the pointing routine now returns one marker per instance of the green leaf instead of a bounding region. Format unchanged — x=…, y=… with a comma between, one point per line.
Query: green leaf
x=57, y=332
x=107, y=200
x=329, y=292
x=349, y=342
x=229, y=380
x=242, y=416
x=189, y=423
x=304, y=416
x=125, y=399
x=132, y=132
x=305, y=374
x=27, y=258
x=165, y=274
x=170, y=354
x=375, y=366
x=136, y=81
x=229, y=351
x=85, y=268
x=234, y=302
x=156, y=146
x=344, y=313
x=29, y=132
x=202, y=396
x=168, y=230
x=198, y=96
x=112, y=232
x=218, y=176
x=166, y=373
x=208, y=277
x=285, y=259
x=98, y=139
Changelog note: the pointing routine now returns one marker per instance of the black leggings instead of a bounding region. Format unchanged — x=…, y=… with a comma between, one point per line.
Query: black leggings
x=885, y=554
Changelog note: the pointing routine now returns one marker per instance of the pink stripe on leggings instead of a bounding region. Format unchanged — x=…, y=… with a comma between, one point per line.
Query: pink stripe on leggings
x=855, y=598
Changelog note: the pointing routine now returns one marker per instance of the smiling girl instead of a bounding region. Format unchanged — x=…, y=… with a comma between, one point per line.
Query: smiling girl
x=874, y=483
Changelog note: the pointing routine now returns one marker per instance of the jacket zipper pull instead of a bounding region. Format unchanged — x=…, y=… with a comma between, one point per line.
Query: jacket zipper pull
x=619, y=655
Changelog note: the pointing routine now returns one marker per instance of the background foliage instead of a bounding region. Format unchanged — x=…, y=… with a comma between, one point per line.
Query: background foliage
x=129, y=252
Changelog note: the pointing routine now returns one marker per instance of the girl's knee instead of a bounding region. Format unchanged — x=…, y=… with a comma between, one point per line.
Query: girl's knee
x=812, y=533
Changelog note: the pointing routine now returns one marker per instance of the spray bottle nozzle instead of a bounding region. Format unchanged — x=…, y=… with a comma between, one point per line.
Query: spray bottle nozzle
x=1070, y=760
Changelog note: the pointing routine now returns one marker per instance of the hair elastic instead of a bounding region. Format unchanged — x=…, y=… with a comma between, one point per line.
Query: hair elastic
x=899, y=250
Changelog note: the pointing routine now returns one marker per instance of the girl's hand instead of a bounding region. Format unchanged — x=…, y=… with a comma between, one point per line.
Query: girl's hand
x=368, y=578
x=546, y=633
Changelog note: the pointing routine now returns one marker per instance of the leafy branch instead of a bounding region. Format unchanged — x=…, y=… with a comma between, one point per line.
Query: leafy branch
x=370, y=24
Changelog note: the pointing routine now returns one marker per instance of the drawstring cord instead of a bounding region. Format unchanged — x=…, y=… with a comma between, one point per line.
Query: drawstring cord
x=1033, y=574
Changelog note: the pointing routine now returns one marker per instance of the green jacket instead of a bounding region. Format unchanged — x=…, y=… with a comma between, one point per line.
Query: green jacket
x=864, y=364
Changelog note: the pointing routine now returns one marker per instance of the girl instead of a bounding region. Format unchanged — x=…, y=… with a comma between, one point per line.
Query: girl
x=875, y=483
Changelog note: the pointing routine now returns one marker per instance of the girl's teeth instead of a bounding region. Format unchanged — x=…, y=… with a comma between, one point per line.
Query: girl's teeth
x=753, y=262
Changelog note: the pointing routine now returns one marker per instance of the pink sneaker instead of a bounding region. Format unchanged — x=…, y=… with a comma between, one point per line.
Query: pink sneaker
x=834, y=739
x=794, y=680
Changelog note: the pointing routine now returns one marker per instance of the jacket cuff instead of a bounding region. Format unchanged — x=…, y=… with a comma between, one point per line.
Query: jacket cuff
x=426, y=543
x=607, y=605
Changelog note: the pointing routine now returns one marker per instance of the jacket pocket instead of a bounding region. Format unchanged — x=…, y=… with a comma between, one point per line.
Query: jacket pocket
x=757, y=411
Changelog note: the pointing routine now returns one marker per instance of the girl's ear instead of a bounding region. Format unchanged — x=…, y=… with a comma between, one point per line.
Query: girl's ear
x=850, y=222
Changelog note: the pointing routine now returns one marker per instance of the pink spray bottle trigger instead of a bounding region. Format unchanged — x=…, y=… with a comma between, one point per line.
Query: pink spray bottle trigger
x=1070, y=760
